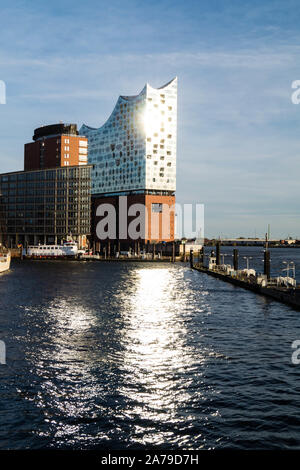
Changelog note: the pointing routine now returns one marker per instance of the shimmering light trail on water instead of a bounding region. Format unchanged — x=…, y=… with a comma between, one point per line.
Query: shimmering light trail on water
x=136, y=355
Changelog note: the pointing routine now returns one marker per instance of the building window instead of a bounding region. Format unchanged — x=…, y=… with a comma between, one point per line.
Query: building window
x=156, y=207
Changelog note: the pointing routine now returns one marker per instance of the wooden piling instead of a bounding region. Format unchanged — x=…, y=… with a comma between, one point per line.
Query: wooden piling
x=191, y=259
x=235, y=259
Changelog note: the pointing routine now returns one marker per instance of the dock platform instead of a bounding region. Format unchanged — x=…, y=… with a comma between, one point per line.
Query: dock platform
x=286, y=295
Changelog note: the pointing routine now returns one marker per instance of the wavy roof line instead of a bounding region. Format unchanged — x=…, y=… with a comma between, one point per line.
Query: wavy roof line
x=129, y=98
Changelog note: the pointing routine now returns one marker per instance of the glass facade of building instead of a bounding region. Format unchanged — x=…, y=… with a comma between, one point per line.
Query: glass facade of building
x=135, y=150
x=46, y=205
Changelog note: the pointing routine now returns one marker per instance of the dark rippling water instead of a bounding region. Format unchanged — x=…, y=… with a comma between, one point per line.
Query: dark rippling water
x=136, y=355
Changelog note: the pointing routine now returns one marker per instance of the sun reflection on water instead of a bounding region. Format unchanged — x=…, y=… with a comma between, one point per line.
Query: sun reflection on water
x=156, y=353
x=127, y=361
x=69, y=386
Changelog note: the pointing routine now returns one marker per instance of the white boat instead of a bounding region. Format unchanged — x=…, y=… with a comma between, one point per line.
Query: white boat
x=69, y=248
x=4, y=261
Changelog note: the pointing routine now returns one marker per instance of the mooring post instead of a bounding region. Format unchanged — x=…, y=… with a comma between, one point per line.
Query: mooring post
x=191, y=258
x=218, y=253
x=235, y=259
x=267, y=264
x=201, y=260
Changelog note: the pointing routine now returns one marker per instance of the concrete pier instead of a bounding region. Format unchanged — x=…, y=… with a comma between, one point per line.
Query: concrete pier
x=289, y=296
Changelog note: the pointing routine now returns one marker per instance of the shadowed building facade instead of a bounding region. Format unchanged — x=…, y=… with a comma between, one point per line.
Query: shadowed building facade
x=45, y=206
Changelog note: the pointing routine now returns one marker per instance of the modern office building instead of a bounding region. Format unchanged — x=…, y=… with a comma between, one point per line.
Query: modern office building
x=51, y=199
x=54, y=146
x=46, y=206
x=134, y=154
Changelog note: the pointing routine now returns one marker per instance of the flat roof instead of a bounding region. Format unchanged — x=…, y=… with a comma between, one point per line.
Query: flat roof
x=47, y=169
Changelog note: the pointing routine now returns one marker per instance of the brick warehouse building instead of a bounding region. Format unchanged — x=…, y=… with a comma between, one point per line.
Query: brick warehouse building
x=51, y=199
x=134, y=155
x=54, y=146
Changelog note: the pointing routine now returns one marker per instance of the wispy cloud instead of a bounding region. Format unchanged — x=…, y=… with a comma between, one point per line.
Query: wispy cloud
x=238, y=144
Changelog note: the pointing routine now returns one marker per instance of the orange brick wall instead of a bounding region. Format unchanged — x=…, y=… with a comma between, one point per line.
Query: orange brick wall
x=154, y=231
x=147, y=200
x=73, y=149
x=54, y=152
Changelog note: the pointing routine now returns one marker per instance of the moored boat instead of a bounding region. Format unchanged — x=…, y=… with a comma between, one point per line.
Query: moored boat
x=68, y=249
x=5, y=259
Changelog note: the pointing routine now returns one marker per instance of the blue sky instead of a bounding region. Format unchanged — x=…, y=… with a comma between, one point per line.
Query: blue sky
x=238, y=131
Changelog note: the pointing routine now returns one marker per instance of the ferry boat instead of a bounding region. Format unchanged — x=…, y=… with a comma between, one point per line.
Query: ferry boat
x=5, y=259
x=68, y=249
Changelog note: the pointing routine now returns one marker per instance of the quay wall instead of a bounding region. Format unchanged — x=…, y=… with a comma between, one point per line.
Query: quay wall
x=288, y=296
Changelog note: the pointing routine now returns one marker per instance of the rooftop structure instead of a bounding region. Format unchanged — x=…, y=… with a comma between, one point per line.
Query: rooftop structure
x=135, y=150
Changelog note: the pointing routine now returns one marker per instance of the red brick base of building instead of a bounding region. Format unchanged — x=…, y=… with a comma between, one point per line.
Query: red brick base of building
x=142, y=218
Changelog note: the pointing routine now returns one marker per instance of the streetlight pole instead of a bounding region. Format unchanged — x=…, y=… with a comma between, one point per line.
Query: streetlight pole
x=287, y=269
x=247, y=258
x=223, y=256
x=293, y=269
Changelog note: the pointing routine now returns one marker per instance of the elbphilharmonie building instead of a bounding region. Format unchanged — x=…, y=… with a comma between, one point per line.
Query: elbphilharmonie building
x=134, y=152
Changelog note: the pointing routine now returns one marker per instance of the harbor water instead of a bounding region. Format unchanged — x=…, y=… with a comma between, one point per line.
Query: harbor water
x=141, y=355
